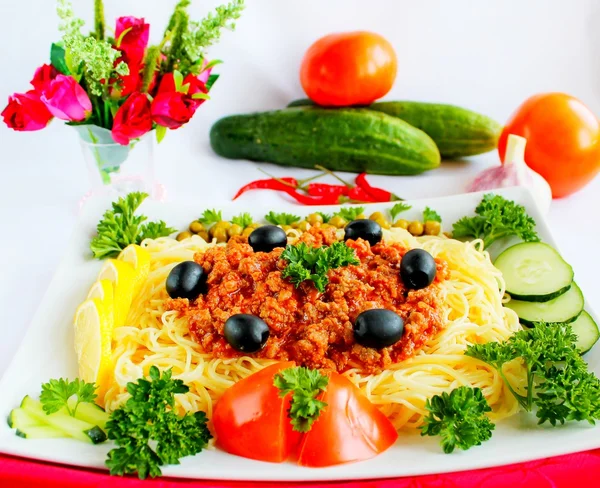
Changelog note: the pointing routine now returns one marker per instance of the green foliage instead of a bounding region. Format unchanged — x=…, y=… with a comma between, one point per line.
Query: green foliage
x=120, y=227
x=243, y=219
x=149, y=432
x=305, y=385
x=312, y=263
x=431, y=215
x=497, y=218
x=458, y=418
x=281, y=218
x=210, y=217
x=350, y=213
x=398, y=209
x=99, y=24
x=559, y=385
x=56, y=393
x=325, y=216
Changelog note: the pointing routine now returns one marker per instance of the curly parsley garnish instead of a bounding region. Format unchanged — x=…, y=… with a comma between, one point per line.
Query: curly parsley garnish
x=281, y=218
x=120, y=227
x=56, y=394
x=149, y=432
x=312, y=263
x=305, y=385
x=458, y=418
x=496, y=218
x=559, y=385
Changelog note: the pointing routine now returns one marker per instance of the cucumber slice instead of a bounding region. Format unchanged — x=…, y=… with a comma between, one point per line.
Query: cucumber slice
x=564, y=309
x=69, y=426
x=586, y=331
x=19, y=418
x=90, y=412
x=534, y=272
x=39, y=432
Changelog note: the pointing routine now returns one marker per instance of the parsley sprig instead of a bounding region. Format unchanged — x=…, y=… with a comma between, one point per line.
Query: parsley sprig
x=149, y=432
x=307, y=263
x=559, y=385
x=497, y=218
x=431, y=215
x=281, y=218
x=350, y=213
x=210, y=217
x=398, y=209
x=56, y=394
x=120, y=227
x=305, y=385
x=243, y=219
x=458, y=418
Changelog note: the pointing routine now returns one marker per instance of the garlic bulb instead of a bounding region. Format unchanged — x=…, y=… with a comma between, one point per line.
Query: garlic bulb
x=514, y=172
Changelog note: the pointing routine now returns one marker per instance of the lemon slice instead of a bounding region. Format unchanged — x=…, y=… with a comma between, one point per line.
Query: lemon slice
x=122, y=275
x=139, y=258
x=93, y=334
x=103, y=290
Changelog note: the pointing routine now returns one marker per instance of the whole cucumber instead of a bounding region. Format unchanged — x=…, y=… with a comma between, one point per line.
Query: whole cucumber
x=458, y=132
x=351, y=140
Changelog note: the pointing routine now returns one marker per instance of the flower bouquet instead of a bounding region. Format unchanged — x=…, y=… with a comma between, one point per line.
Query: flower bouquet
x=114, y=88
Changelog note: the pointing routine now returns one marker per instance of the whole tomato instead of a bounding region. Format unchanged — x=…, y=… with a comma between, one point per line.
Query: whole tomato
x=350, y=68
x=563, y=140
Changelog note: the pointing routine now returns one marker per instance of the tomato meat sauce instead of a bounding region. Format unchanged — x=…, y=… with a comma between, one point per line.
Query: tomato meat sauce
x=311, y=328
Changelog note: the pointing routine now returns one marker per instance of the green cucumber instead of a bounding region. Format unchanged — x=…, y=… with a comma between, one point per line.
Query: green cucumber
x=69, y=426
x=534, y=272
x=458, y=132
x=586, y=330
x=354, y=140
x=39, y=432
x=90, y=412
x=563, y=309
x=19, y=418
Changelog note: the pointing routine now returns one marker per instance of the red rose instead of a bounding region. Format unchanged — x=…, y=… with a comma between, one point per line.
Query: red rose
x=127, y=84
x=134, y=42
x=167, y=84
x=25, y=112
x=133, y=119
x=172, y=109
x=44, y=75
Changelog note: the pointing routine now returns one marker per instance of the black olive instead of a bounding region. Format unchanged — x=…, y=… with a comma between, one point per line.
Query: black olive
x=186, y=280
x=246, y=333
x=366, y=229
x=417, y=269
x=266, y=238
x=378, y=328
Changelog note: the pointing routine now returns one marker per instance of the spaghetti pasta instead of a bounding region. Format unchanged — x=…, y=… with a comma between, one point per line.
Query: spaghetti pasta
x=473, y=314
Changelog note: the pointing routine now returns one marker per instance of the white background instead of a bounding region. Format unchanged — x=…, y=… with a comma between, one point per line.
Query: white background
x=488, y=56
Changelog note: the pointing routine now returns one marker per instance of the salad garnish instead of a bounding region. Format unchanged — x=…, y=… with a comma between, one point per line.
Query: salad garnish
x=281, y=218
x=350, y=213
x=210, y=217
x=243, y=220
x=398, y=209
x=148, y=430
x=458, y=418
x=431, y=215
x=120, y=227
x=496, y=218
x=305, y=385
x=56, y=394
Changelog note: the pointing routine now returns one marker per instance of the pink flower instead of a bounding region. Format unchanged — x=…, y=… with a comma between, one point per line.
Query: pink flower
x=171, y=108
x=25, y=112
x=43, y=75
x=134, y=42
x=133, y=119
x=66, y=99
x=205, y=74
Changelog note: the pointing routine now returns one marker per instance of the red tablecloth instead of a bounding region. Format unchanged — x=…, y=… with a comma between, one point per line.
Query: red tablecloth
x=573, y=470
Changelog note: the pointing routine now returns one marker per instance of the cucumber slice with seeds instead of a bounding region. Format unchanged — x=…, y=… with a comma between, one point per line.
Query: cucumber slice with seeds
x=534, y=272
x=586, y=330
x=564, y=309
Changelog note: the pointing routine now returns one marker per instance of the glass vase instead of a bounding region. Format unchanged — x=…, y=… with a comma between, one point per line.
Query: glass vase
x=115, y=169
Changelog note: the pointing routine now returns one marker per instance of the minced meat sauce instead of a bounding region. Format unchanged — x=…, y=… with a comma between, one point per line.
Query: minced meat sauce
x=314, y=329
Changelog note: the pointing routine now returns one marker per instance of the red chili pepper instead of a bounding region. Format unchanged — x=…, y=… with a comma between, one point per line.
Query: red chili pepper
x=330, y=199
x=379, y=194
x=358, y=193
x=319, y=189
x=269, y=184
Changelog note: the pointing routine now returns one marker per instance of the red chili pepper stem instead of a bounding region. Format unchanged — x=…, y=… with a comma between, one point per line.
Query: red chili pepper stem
x=329, y=172
x=301, y=183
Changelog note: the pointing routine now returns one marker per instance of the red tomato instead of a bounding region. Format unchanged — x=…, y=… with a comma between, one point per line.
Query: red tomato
x=350, y=68
x=250, y=419
x=563, y=140
x=349, y=429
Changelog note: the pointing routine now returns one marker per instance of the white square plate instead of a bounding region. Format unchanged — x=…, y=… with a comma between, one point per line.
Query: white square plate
x=47, y=352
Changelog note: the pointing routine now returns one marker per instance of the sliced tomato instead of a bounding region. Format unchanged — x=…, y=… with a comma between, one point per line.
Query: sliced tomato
x=349, y=429
x=250, y=419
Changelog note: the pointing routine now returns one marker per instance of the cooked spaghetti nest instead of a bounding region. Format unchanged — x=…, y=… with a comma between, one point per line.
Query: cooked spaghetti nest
x=473, y=312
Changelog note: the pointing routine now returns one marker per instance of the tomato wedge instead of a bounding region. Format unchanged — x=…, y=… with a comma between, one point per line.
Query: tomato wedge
x=349, y=429
x=250, y=419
